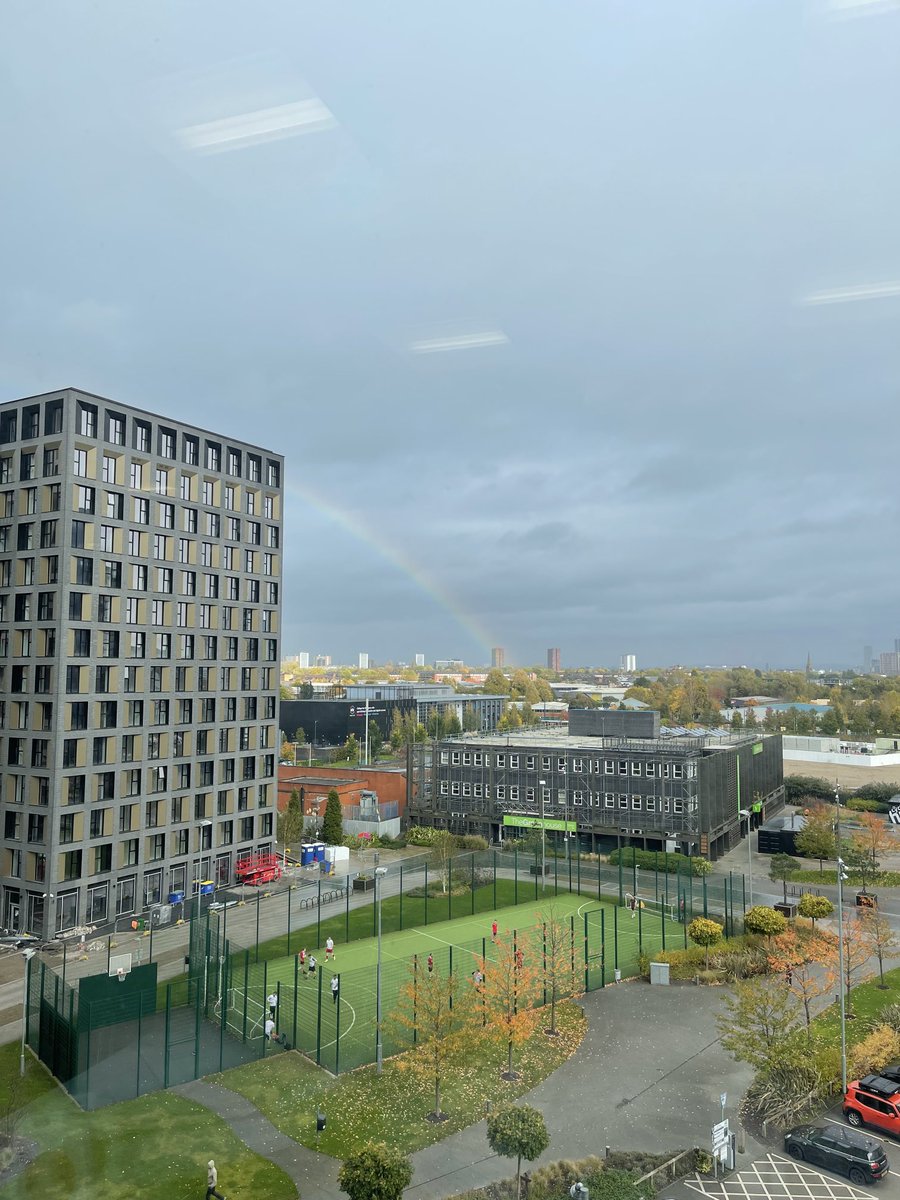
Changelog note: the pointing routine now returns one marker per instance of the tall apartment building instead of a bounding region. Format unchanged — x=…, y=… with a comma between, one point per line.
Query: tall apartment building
x=420, y=660
x=363, y=661
x=628, y=663
x=498, y=658
x=553, y=658
x=140, y=569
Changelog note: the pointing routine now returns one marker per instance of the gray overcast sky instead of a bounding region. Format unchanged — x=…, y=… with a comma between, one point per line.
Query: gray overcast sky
x=577, y=322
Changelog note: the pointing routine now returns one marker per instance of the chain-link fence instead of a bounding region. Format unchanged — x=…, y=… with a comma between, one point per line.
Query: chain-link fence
x=108, y=1039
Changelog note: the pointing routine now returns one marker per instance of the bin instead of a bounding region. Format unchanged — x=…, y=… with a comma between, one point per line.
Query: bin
x=207, y=887
x=306, y=855
x=176, y=897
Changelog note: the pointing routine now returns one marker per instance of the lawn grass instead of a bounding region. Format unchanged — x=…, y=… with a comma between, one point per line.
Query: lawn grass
x=866, y=1001
x=155, y=1146
x=393, y=1107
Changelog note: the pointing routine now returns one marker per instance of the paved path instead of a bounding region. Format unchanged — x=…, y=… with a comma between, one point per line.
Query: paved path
x=648, y=1076
x=314, y=1174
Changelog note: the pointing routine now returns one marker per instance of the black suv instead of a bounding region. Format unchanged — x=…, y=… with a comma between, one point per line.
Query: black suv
x=849, y=1153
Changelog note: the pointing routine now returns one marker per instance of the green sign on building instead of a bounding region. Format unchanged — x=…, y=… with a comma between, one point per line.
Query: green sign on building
x=757, y=747
x=540, y=822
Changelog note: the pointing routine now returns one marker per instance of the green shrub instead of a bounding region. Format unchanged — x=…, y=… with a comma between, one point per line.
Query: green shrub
x=733, y=958
x=651, y=860
x=764, y=920
x=861, y=804
x=471, y=841
x=889, y=1015
x=420, y=835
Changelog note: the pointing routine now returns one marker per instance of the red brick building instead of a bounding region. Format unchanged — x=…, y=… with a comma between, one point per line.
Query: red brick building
x=314, y=784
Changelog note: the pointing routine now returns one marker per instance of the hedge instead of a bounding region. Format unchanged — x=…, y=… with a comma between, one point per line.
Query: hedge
x=651, y=860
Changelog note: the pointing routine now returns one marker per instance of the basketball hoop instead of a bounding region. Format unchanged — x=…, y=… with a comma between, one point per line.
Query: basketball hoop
x=120, y=974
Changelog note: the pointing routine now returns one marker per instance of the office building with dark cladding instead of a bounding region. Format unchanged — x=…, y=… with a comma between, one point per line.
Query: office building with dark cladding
x=681, y=792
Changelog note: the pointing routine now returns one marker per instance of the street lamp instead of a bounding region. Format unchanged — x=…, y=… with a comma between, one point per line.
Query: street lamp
x=745, y=812
x=380, y=873
x=541, y=783
x=315, y=731
x=28, y=955
x=841, y=876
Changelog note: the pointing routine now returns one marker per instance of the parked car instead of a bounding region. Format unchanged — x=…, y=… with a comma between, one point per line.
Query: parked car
x=874, y=1100
x=845, y=1151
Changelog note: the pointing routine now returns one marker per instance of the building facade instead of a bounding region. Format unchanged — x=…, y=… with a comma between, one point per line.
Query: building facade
x=553, y=658
x=498, y=658
x=658, y=793
x=140, y=592
x=334, y=717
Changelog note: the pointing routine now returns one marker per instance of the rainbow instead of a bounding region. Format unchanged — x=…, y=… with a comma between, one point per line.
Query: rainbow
x=358, y=529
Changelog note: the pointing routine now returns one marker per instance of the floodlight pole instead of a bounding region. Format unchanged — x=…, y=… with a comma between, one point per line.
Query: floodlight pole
x=840, y=900
x=745, y=812
x=543, y=837
x=380, y=873
x=27, y=955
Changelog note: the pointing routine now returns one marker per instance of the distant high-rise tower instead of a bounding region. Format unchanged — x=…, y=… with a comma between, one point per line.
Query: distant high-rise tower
x=628, y=663
x=303, y=659
x=420, y=660
x=498, y=657
x=363, y=661
x=553, y=658
x=867, y=660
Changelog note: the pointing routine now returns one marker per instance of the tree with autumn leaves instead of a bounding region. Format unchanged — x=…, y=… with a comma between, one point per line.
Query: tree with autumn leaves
x=510, y=987
x=808, y=966
x=437, y=1019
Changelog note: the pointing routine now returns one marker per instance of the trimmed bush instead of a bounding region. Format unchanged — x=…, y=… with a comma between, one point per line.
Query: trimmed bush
x=861, y=804
x=672, y=862
x=764, y=920
x=814, y=907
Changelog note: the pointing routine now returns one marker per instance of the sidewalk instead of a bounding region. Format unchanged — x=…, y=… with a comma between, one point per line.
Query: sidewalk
x=648, y=1076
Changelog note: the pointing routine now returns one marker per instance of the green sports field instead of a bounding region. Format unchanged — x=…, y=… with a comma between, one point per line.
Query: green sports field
x=341, y=1035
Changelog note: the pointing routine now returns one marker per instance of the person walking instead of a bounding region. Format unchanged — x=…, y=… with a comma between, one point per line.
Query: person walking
x=212, y=1179
x=272, y=1001
x=632, y=904
x=270, y=1030
x=335, y=988
x=329, y=948
x=493, y=931
x=301, y=958
x=312, y=966
x=430, y=963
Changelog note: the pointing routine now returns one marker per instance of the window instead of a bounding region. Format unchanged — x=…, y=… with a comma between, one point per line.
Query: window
x=190, y=450
x=167, y=442
x=141, y=510
x=132, y=610
x=81, y=643
x=115, y=429
x=85, y=499
x=51, y=461
x=167, y=515
x=48, y=534
x=141, y=440
x=73, y=679
x=80, y=463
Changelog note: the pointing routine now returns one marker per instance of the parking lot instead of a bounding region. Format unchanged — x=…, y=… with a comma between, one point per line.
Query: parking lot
x=776, y=1176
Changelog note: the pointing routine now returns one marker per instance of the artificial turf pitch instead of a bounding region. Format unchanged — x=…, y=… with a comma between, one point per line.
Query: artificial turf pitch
x=341, y=1035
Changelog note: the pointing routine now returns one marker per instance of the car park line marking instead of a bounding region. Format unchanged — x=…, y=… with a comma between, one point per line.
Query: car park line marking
x=862, y=1129
x=778, y=1178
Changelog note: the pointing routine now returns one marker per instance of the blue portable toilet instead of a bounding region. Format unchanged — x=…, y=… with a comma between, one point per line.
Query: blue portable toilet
x=319, y=849
x=306, y=854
